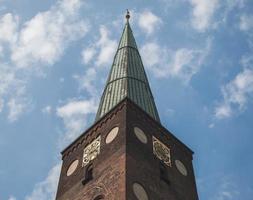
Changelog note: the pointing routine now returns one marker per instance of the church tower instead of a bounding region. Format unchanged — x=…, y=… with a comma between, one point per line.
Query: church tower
x=127, y=154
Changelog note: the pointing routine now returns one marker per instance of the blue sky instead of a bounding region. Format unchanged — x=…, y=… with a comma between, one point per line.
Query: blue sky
x=54, y=60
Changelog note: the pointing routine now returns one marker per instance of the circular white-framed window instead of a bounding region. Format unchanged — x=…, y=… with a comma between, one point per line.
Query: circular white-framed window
x=112, y=135
x=140, y=192
x=140, y=135
x=72, y=167
x=181, y=167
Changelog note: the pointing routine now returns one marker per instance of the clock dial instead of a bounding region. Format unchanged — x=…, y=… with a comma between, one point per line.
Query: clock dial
x=91, y=151
x=181, y=167
x=72, y=167
x=140, y=192
x=140, y=135
x=112, y=135
x=161, y=151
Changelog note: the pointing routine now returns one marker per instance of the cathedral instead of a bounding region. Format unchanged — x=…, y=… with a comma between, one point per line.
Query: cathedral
x=127, y=154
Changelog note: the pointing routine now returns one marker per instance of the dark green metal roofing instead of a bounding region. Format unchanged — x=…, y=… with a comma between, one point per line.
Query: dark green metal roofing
x=127, y=78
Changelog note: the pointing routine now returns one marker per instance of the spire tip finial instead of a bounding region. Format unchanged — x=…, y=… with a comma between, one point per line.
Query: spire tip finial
x=128, y=15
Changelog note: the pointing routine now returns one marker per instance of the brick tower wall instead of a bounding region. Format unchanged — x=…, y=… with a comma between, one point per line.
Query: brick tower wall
x=108, y=168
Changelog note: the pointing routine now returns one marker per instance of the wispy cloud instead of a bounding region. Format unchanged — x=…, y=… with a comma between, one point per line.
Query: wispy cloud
x=46, y=109
x=101, y=51
x=246, y=22
x=227, y=190
x=96, y=58
x=236, y=94
x=46, y=190
x=8, y=28
x=148, y=21
x=16, y=108
x=219, y=186
x=88, y=54
x=13, y=92
x=86, y=81
x=75, y=114
x=106, y=46
x=44, y=38
x=202, y=13
x=41, y=42
x=182, y=63
x=12, y=198
x=27, y=48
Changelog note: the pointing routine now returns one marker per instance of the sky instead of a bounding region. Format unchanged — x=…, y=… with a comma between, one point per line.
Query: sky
x=55, y=56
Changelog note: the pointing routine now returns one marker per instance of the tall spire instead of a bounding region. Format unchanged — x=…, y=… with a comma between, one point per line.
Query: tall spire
x=127, y=78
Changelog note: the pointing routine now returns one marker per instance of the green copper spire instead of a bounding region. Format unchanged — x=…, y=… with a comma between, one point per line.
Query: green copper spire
x=127, y=78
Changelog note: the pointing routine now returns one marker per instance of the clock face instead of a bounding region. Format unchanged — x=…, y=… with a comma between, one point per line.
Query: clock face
x=91, y=151
x=72, y=167
x=181, y=167
x=161, y=151
x=140, y=192
x=112, y=135
x=140, y=135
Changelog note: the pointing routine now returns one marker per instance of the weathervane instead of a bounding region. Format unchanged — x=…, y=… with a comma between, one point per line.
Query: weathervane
x=128, y=15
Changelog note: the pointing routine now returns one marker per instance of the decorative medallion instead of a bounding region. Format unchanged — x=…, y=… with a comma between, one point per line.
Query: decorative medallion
x=161, y=151
x=112, y=135
x=72, y=167
x=140, y=135
x=91, y=151
x=181, y=167
x=140, y=192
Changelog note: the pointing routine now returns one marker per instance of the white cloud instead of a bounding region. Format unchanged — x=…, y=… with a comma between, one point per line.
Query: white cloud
x=247, y=61
x=101, y=51
x=44, y=38
x=46, y=110
x=88, y=54
x=223, y=111
x=230, y=5
x=246, y=22
x=149, y=22
x=8, y=28
x=12, y=198
x=76, y=107
x=74, y=115
x=46, y=190
x=182, y=63
x=1, y=51
x=202, y=14
x=12, y=91
x=226, y=190
x=106, y=46
x=16, y=107
x=98, y=54
x=86, y=81
x=40, y=41
x=1, y=104
x=7, y=80
x=236, y=94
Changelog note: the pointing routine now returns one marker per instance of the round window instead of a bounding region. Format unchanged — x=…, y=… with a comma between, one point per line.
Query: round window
x=140, y=192
x=140, y=135
x=72, y=167
x=112, y=135
x=181, y=168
